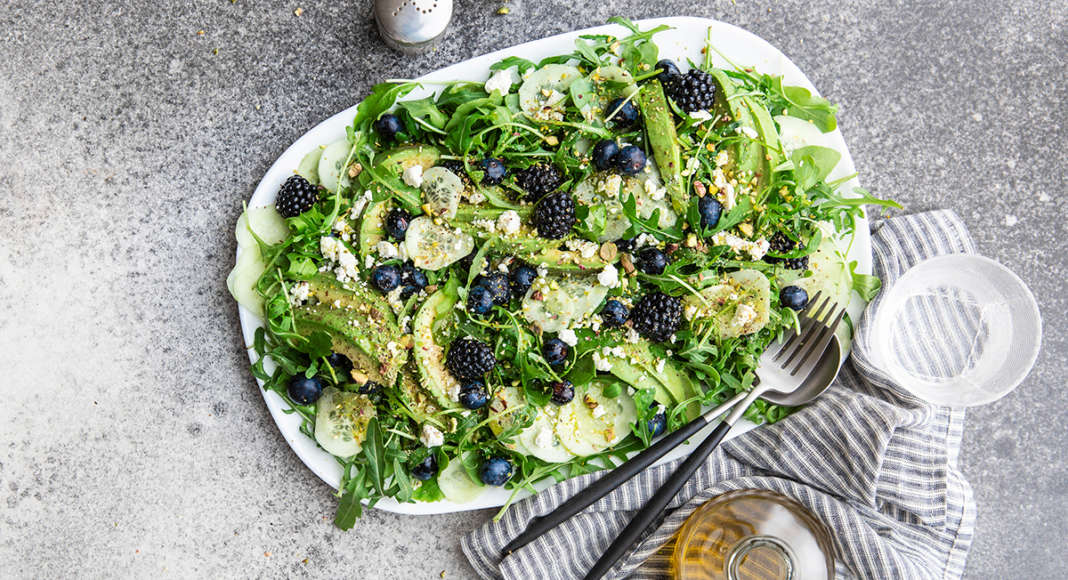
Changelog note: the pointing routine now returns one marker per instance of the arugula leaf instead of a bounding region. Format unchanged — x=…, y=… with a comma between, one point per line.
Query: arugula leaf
x=521, y=65
x=426, y=110
x=866, y=285
x=801, y=103
x=812, y=164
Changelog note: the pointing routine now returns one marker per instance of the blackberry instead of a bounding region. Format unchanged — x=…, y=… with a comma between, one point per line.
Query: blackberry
x=469, y=358
x=781, y=244
x=656, y=316
x=456, y=166
x=538, y=180
x=296, y=196
x=694, y=91
x=554, y=216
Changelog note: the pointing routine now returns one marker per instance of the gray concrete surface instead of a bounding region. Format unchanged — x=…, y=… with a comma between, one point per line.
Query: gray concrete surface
x=134, y=441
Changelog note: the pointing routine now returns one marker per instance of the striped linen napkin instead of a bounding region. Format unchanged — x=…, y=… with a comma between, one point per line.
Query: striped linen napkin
x=876, y=465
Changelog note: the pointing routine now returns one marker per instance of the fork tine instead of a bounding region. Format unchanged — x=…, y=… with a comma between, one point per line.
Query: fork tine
x=815, y=321
x=821, y=341
x=809, y=318
x=802, y=340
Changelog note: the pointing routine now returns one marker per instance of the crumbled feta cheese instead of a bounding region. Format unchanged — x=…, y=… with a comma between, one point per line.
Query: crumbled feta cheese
x=643, y=240
x=299, y=293
x=743, y=315
x=595, y=322
x=690, y=311
x=610, y=186
x=509, y=222
x=601, y=363
x=758, y=248
x=488, y=226
x=431, y=436
x=598, y=411
x=501, y=81
x=369, y=261
x=568, y=336
x=755, y=249
x=609, y=277
x=585, y=248
x=691, y=165
x=395, y=302
x=413, y=176
x=748, y=131
x=700, y=116
x=544, y=438
x=330, y=246
x=347, y=269
x=360, y=203
x=454, y=392
x=476, y=197
x=722, y=159
x=632, y=336
x=660, y=365
x=727, y=197
x=386, y=250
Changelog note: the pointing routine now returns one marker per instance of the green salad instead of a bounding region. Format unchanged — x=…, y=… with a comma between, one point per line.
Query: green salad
x=532, y=276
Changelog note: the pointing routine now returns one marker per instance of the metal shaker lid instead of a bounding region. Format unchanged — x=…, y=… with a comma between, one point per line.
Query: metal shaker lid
x=412, y=26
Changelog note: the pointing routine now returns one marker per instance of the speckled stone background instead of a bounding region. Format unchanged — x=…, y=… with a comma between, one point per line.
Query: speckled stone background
x=134, y=441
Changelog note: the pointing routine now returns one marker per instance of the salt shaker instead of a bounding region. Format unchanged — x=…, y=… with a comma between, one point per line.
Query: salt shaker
x=412, y=26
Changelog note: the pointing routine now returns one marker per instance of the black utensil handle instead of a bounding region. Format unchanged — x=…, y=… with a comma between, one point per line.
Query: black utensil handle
x=652, y=509
x=603, y=486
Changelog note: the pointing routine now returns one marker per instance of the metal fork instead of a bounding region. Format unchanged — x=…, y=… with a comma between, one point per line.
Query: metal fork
x=783, y=368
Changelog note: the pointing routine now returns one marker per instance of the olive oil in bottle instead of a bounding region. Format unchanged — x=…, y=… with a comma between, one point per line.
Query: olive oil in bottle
x=752, y=535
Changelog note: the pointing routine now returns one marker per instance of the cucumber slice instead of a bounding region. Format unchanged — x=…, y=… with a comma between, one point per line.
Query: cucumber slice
x=740, y=305
x=573, y=298
x=341, y=420
x=456, y=485
x=429, y=355
x=268, y=224
x=332, y=173
x=830, y=273
x=615, y=74
x=584, y=434
x=309, y=166
x=441, y=191
x=243, y=278
x=643, y=199
x=371, y=229
x=541, y=438
x=504, y=400
x=543, y=95
x=432, y=246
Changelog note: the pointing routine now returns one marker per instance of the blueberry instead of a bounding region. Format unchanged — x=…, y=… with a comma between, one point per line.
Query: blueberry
x=479, y=300
x=387, y=126
x=498, y=285
x=473, y=395
x=305, y=391
x=341, y=364
x=495, y=471
x=555, y=351
x=614, y=313
x=396, y=223
x=793, y=297
x=652, y=261
x=710, y=209
x=630, y=160
x=658, y=424
x=412, y=279
x=494, y=171
x=521, y=279
x=668, y=70
x=425, y=469
x=370, y=388
x=603, y=153
x=385, y=278
x=563, y=392
x=623, y=112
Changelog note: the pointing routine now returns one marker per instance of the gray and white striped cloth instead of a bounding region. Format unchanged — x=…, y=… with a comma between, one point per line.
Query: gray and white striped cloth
x=876, y=465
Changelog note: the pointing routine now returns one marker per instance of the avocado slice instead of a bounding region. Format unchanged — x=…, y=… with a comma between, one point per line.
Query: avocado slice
x=660, y=130
x=765, y=127
x=529, y=248
x=371, y=228
x=671, y=383
x=747, y=155
x=429, y=355
x=362, y=326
